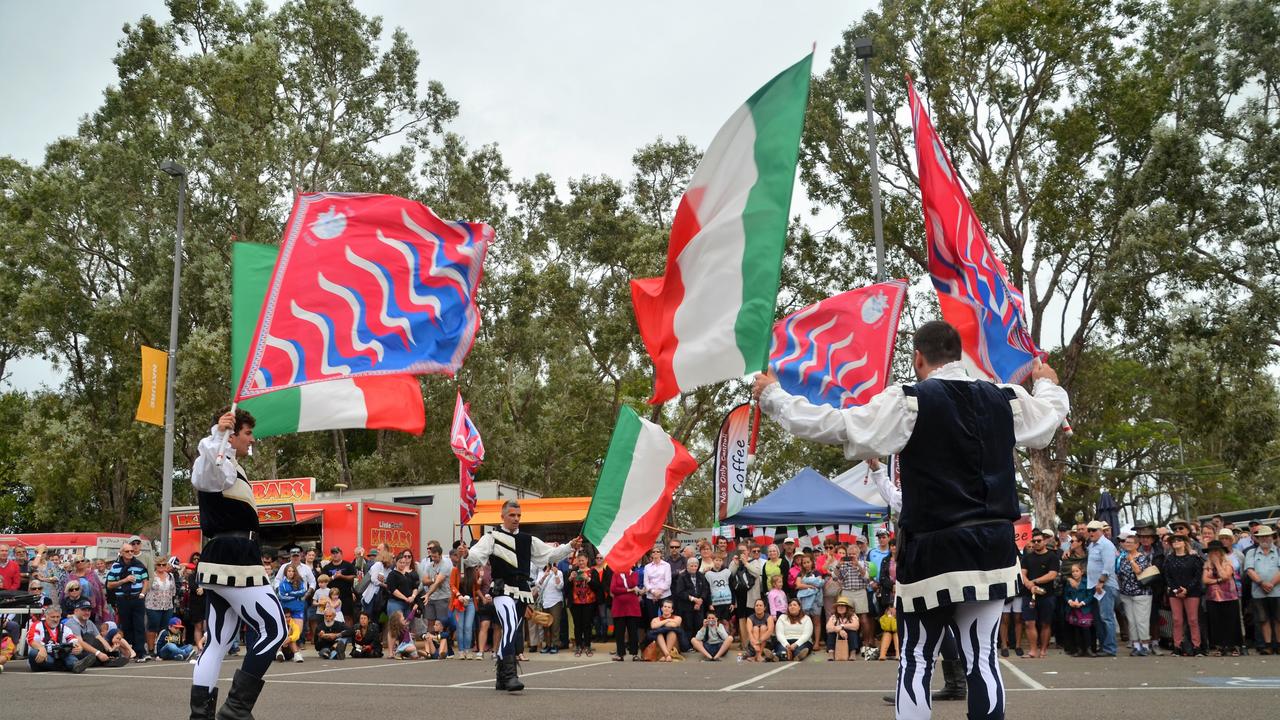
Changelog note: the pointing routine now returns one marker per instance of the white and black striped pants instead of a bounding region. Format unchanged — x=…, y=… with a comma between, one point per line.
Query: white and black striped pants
x=259, y=609
x=511, y=617
x=974, y=625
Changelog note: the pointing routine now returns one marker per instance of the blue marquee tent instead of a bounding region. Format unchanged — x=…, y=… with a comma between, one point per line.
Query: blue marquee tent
x=808, y=499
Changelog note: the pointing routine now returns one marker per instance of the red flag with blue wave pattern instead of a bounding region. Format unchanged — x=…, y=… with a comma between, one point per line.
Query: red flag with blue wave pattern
x=366, y=285
x=837, y=352
x=464, y=438
x=973, y=286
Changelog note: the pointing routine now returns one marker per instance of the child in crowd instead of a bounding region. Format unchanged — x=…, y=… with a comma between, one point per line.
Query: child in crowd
x=112, y=633
x=171, y=642
x=335, y=602
x=1079, y=627
x=398, y=630
x=435, y=642
x=777, y=597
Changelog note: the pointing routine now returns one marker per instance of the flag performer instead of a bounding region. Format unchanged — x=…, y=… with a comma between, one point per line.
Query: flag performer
x=230, y=571
x=957, y=555
x=511, y=553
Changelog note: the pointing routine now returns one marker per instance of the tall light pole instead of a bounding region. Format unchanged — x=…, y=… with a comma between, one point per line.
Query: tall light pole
x=1182, y=460
x=865, y=51
x=175, y=170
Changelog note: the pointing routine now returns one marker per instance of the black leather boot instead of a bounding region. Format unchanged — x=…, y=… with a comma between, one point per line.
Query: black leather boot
x=203, y=702
x=513, y=677
x=500, y=670
x=242, y=697
x=956, y=687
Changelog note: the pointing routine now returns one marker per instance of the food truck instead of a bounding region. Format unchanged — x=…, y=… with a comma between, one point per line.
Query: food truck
x=290, y=514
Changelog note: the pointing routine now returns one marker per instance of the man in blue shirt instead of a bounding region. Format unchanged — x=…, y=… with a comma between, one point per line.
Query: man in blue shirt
x=127, y=585
x=1102, y=578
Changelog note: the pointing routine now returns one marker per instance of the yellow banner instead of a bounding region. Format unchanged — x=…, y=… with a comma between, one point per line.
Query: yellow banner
x=155, y=368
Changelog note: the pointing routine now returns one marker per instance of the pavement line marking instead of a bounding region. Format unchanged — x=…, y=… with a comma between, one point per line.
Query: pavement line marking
x=540, y=672
x=352, y=667
x=1017, y=672
x=761, y=676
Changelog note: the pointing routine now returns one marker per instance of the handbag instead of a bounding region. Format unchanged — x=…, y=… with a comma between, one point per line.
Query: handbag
x=537, y=617
x=1148, y=577
x=1078, y=617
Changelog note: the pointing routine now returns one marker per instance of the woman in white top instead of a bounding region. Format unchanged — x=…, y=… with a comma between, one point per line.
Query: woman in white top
x=549, y=588
x=159, y=604
x=794, y=633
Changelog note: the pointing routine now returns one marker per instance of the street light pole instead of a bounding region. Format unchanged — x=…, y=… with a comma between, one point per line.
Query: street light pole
x=175, y=170
x=865, y=51
x=1182, y=460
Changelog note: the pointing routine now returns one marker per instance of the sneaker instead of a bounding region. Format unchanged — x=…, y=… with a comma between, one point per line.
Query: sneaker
x=555, y=650
x=279, y=656
x=298, y=657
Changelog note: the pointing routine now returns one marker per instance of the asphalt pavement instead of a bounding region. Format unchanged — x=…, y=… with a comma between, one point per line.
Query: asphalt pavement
x=564, y=686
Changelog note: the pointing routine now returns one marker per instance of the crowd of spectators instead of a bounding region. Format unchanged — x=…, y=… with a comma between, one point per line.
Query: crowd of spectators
x=1182, y=589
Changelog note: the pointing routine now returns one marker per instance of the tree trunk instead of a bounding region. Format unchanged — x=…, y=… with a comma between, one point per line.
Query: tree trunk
x=340, y=448
x=1046, y=478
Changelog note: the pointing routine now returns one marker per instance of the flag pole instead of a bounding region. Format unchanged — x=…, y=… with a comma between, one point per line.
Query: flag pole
x=174, y=170
x=865, y=51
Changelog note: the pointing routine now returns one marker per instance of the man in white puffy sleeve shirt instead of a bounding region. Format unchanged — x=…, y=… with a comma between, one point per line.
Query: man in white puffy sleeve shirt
x=957, y=558
x=510, y=554
x=235, y=584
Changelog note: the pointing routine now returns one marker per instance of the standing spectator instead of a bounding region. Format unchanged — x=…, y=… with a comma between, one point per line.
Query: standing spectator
x=366, y=638
x=1183, y=571
x=128, y=582
x=304, y=570
x=160, y=603
x=719, y=594
x=359, y=561
x=711, y=640
x=332, y=635
x=774, y=566
x=604, y=607
x=744, y=583
x=72, y=594
x=90, y=587
x=463, y=582
x=842, y=631
x=657, y=583
x=1101, y=577
x=586, y=593
x=375, y=583
x=1178, y=526
x=1135, y=597
x=777, y=596
x=342, y=576
x=1263, y=568
x=794, y=633
x=191, y=606
x=434, y=571
x=691, y=594
x=625, y=591
x=10, y=573
x=292, y=591
x=550, y=590
x=854, y=577
x=1222, y=600
x=1077, y=597
x=808, y=586
x=486, y=614
x=665, y=630
x=1039, y=571
x=403, y=589
x=675, y=556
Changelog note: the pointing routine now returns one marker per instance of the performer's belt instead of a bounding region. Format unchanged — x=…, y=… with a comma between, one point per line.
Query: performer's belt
x=250, y=534
x=501, y=588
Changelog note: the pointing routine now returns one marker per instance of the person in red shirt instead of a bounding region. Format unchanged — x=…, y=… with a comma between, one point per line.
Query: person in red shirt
x=10, y=573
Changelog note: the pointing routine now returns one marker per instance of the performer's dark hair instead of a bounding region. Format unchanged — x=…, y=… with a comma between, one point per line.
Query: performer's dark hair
x=938, y=342
x=243, y=419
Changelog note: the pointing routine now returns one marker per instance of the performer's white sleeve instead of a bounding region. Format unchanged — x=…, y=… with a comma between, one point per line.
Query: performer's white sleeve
x=206, y=473
x=543, y=553
x=478, y=554
x=881, y=427
x=892, y=494
x=1037, y=416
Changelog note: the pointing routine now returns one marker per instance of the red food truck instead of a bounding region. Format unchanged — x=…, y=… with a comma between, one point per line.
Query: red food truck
x=289, y=514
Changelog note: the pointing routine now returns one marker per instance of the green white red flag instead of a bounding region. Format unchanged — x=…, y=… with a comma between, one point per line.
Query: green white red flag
x=709, y=317
x=386, y=402
x=642, y=470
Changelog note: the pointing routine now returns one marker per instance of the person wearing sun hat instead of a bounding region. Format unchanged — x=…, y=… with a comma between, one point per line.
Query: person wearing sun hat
x=842, y=630
x=1222, y=600
x=1263, y=568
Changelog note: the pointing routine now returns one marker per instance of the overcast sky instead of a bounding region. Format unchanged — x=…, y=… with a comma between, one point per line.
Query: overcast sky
x=567, y=88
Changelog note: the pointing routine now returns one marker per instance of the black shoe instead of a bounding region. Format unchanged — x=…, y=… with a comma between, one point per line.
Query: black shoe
x=500, y=671
x=117, y=662
x=84, y=663
x=513, y=676
x=342, y=652
x=243, y=695
x=203, y=702
x=889, y=699
x=956, y=687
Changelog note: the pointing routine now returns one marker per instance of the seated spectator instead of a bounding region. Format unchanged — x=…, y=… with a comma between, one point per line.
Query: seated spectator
x=116, y=640
x=434, y=644
x=665, y=630
x=398, y=631
x=794, y=633
x=711, y=640
x=889, y=634
x=842, y=631
x=760, y=634
x=50, y=646
x=91, y=640
x=366, y=638
x=332, y=635
x=171, y=644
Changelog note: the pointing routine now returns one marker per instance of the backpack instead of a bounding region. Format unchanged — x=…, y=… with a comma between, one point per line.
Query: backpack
x=740, y=581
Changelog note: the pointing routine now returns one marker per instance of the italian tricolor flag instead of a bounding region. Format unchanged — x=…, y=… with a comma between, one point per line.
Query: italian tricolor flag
x=709, y=316
x=641, y=472
x=387, y=402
